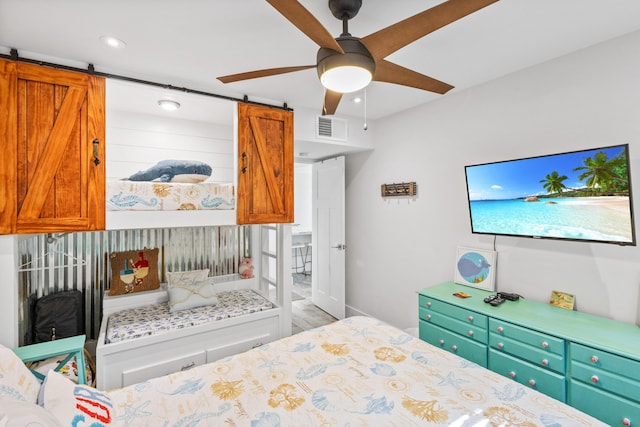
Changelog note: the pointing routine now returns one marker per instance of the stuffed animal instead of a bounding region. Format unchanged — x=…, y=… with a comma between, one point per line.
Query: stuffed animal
x=246, y=268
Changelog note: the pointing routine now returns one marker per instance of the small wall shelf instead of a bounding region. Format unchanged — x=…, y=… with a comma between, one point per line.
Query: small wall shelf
x=400, y=189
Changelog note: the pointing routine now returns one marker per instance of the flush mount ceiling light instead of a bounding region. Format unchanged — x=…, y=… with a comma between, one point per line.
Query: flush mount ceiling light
x=346, y=72
x=113, y=42
x=168, y=104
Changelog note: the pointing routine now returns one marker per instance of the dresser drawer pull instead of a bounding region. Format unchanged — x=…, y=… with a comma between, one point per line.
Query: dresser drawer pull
x=594, y=378
x=544, y=344
x=545, y=362
x=500, y=345
x=428, y=317
x=470, y=333
x=532, y=383
x=470, y=318
x=188, y=366
x=500, y=329
x=454, y=348
x=258, y=344
x=441, y=342
x=428, y=303
x=594, y=359
x=512, y=374
x=626, y=422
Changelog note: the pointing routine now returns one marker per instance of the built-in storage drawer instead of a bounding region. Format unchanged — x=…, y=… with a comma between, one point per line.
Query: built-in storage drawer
x=464, y=322
x=242, y=337
x=611, y=409
x=163, y=367
x=527, y=374
x=453, y=343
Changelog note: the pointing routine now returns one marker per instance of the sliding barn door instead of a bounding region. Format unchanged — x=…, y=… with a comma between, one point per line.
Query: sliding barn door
x=54, y=149
x=265, y=165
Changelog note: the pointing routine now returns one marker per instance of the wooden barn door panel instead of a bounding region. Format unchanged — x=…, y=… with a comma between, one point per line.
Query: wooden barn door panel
x=58, y=116
x=265, y=165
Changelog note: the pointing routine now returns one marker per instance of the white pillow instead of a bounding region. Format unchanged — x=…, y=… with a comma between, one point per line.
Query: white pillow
x=15, y=413
x=76, y=404
x=16, y=381
x=191, y=295
x=186, y=277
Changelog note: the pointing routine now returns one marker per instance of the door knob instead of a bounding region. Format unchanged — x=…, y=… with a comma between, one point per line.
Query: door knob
x=340, y=246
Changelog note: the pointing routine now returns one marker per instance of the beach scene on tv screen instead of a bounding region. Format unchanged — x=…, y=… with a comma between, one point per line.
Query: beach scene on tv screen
x=580, y=195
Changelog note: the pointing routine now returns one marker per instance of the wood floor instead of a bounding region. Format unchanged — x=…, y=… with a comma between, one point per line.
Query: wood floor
x=304, y=314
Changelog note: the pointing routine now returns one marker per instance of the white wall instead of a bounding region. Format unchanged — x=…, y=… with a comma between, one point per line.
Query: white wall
x=396, y=247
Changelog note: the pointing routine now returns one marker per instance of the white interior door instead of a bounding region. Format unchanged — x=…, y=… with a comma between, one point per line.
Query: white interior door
x=328, y=253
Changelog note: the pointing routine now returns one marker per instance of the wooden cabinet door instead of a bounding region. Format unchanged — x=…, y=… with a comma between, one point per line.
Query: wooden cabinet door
x=55, y=137
x=265, y=165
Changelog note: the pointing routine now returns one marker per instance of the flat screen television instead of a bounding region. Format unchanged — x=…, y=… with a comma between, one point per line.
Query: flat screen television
x=580, y=195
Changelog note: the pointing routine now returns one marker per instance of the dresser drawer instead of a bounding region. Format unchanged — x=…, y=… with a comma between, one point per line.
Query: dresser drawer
x=613, y=410
x=538, y=357
x=454, y=343
x=605, y=361
x=529, y=375
x=431, y=305
x=535, y=339
x=605, y=380
x=467, y=329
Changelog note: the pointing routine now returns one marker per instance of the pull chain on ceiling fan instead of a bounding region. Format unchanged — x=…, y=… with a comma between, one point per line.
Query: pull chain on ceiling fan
x=347, y=63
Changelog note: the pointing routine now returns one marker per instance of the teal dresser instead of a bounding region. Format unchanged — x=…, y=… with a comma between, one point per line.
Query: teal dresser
x=589, y=362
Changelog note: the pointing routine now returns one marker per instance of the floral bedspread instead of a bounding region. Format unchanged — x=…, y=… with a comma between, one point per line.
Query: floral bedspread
x=355, y=372
x=168, y=196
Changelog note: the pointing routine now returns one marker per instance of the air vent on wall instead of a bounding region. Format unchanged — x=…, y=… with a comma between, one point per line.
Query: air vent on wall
x=331, y=128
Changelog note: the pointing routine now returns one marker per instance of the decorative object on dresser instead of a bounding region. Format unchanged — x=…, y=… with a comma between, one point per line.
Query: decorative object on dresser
x=475, y=267
x=591, y=363
x=134, y=271
x=562, y=300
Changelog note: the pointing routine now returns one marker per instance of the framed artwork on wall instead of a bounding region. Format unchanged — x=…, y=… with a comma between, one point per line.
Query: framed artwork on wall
x=476, y=268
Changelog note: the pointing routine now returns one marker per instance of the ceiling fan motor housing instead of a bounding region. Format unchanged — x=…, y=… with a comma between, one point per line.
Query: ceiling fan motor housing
x=355, y=54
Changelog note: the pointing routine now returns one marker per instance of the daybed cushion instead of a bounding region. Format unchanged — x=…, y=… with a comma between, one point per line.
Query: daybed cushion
x=75, y=404
x=16, y=381
x=156, y=319
x=14, y=413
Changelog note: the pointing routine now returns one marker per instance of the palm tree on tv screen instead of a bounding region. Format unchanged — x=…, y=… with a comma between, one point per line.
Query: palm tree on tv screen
x=602, y=174
x=553, y=182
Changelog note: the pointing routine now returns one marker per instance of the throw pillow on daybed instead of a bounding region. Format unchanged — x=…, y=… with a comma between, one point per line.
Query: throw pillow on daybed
x=16, y=413
x=75, y=404
x=134, y=271
x=16, y=381
x=190, y=289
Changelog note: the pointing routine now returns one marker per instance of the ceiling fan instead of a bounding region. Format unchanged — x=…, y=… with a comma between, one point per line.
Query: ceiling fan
x=347, y=63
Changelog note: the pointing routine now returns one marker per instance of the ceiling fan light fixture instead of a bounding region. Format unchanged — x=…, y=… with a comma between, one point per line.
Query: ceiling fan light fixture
x=346, y=79
x=346, y=72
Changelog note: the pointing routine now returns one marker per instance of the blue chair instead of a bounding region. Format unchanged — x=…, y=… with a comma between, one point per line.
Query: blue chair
x=72, y=346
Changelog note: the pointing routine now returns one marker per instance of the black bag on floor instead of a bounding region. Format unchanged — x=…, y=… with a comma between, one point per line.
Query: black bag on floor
x=59, y=315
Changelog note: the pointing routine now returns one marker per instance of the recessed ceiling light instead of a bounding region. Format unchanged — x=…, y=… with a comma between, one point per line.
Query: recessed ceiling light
x=113, y=42
x=168, y=104
x=357, y=99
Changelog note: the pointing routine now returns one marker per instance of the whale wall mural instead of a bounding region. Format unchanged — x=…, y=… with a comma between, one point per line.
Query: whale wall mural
x=476, y=267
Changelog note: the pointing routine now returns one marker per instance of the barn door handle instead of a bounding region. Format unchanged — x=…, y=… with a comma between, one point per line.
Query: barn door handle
x=96, y=159
x=244, y=162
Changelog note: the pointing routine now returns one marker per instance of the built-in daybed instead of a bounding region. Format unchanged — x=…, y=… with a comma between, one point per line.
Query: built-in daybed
x=140, y=339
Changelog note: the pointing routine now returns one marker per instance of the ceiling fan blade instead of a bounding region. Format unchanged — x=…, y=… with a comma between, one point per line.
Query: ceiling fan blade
x=262, y=73
x=306, y=22
x=388, y=40
x=392, y=73
x=331, y=101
